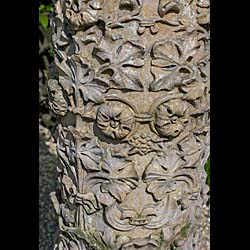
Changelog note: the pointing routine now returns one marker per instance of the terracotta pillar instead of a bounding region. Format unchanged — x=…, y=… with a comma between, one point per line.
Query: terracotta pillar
x=130, y=89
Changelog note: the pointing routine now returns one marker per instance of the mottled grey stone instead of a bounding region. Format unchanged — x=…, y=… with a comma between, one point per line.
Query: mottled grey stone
x=131, y=92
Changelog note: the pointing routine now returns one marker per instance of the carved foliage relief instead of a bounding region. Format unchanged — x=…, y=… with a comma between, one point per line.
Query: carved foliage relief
x=131, y=92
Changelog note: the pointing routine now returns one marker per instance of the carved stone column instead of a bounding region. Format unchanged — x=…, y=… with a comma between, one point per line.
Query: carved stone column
x=130, y=88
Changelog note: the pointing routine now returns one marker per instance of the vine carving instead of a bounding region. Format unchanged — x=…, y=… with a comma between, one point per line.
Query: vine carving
x=131, y=93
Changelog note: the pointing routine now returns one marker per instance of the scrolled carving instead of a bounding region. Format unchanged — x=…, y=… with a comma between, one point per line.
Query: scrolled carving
x=131, y=93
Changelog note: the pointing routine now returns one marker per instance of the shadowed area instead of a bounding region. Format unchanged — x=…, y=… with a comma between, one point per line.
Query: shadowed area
x=47, y=183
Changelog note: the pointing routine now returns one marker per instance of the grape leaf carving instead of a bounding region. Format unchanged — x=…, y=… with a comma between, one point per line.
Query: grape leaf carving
x=120, y=68
x=171, y=63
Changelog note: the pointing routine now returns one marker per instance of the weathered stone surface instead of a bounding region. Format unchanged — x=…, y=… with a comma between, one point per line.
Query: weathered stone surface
x=131, y=92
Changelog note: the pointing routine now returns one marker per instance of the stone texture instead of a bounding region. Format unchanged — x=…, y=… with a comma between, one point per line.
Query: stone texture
x=47, y=183
x=130, y=88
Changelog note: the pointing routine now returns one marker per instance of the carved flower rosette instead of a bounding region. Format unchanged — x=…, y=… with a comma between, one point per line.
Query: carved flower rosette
x=131, y=93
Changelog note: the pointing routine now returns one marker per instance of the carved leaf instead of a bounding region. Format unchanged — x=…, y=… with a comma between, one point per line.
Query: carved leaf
x=171, y=63
x=55, y=202
x=159, y=175
x=171, y=161
x=64, y=69
x=131, y=54
x=97, y=4
x=92, y=92
x=80, y=134
x=117, y=188
x=121, y=69
x=77, y=73
x=122, y=178
x=90, y=203
x=189, y=145
x=57, y=102
x=188, y=17
x=142, y=243
x=104, y=198
x=66, y=153
x=167, y=66
x=190, y=46
x=129, y=5
x=69, y=185
x=192, y=160
x=81, y=70
x=102, y=54
x=128, y=213
x=82, y=13
x=119, y=168
x=71, y=243
x=67, y=84
x=160, y=187
x=191, y=151
x=59, y=37
x=167, y=81
x=67, y=215
x=169, y=9
x=117, y=179
x=193, y=91
x=92, y=35
x=202, y=124
x=168, y=51
x=90, y=111
x=90, y=155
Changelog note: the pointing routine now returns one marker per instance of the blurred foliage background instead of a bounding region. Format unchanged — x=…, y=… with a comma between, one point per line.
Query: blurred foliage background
x=46, y=117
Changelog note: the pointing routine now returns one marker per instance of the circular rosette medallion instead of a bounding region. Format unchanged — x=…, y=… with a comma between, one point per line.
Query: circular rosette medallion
x=115, y=120
x=171, y=118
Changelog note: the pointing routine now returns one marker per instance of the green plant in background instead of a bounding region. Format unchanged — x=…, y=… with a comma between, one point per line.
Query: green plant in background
x=45, y=46
x=46, y=7
x=44, y=12
x=207, y=168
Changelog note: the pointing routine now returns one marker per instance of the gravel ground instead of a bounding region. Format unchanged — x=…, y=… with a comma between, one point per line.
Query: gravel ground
x=48, y=183
x=204, y=244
